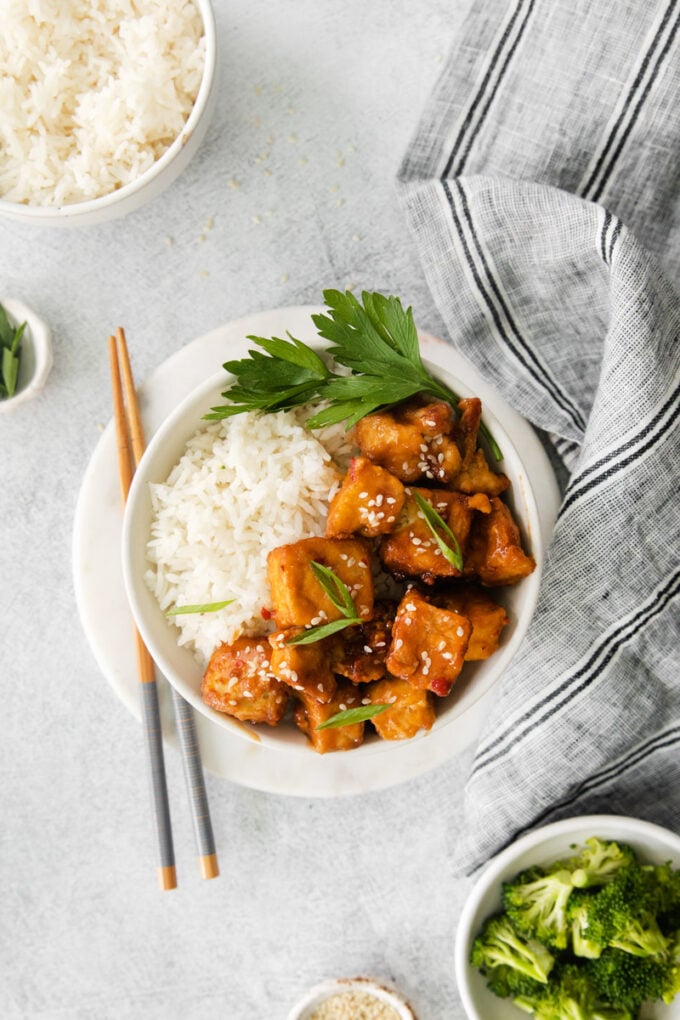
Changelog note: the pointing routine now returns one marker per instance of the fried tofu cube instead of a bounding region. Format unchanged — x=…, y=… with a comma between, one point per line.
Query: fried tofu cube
x=310, y=713
x=495, y=552
x=411, y=441
x=474, y=474
x=412, y=550
x=298, y=598
x=239, y=682
x=477, y=476
x=360, y=652
x=305, y=668
x=412, y=709
x=428, y=644
x=368, y=501
x=487, y=618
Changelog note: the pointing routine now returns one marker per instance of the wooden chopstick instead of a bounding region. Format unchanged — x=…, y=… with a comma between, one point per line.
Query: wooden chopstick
x=191, y=756
x=153, y=736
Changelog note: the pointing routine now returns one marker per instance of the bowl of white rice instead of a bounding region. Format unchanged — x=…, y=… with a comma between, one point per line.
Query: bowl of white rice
x=210, y=499
x=102, y=104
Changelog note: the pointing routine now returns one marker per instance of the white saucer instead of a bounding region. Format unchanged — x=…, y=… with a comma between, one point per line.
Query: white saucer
x=105, y=614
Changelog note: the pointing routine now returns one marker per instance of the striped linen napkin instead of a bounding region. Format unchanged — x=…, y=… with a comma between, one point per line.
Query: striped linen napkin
x=542, y=191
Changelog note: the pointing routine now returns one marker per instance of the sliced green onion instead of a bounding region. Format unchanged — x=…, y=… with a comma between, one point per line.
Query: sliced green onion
x=353, y=715
x=434, y=520
x=204, y=607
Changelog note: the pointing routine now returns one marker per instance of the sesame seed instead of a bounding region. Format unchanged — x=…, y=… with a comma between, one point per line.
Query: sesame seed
x=363, y=495
x=368, y=649
x=459, y=631
x=397, y=644
x=410, y=607
x=342, y=707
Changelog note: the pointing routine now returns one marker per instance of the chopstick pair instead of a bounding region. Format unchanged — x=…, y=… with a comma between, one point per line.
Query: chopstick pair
x=130, y=445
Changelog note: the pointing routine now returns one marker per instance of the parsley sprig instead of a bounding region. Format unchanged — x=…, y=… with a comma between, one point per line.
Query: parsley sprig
x=10, y=348
x=339, y=594
x=436, y=523
x=375, y=338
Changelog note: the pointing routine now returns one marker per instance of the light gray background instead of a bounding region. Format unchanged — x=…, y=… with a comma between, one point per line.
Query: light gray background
x=292, y=191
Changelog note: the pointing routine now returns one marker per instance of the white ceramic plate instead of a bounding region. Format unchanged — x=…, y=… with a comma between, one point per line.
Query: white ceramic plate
x=106, y=616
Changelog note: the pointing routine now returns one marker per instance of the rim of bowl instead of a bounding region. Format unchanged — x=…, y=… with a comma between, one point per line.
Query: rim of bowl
x=623, y=827
x=325, y=990
x=135, y=583
x=19, y=210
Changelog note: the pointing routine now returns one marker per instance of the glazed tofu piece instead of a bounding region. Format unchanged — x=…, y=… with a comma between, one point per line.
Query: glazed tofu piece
x=367, y=503
x=495, y=553
x=360, y=652
x=428, y=644
x=474, y=474
x=411, y=550
x=412, y=709
x=298, y=598
x=487, y=618
x=304, y=668
x=412, y=441
x=239, y=682
x=310, y=713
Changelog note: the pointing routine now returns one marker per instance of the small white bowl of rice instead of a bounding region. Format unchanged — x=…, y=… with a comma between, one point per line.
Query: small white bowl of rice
x=102, y=104
x=209, y=500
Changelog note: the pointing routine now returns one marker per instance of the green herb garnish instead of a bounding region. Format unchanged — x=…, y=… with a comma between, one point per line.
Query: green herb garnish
x=339, y=594
x=205, y=607
x=353, y=715
x=10, y=346
x=375, y=338
x=434, y=521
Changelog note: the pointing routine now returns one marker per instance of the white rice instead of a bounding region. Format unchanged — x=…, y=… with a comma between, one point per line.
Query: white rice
x=92, y=92
x=244, y=486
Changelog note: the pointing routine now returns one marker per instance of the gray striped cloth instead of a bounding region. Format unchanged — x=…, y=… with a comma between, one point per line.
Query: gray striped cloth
x=542, y=191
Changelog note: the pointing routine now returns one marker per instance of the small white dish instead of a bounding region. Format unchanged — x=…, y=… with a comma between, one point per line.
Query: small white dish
x=154, y=180
x=653, y=844
x=316, y=996
x=36, y=353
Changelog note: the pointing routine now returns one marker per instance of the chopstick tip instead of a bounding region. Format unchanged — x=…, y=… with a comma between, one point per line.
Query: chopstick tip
x=167, y=877
x=209, y=866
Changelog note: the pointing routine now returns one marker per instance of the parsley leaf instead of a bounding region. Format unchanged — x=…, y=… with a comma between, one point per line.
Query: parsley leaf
x=376, y=338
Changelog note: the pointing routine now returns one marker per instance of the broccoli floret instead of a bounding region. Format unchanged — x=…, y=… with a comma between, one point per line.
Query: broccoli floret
x=507, y=982
x=569, y=995
x=599, y=862
x=536, y=902
x=622, y=914
x=671, y=986
x=668, y=890
x=626, y=979
x=584, y=942
x=498, y=944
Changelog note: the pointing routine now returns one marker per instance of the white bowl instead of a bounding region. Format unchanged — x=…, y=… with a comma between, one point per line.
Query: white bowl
x=653, y=844
x=36, y=354
x=179, y=665
x=316, y=996
x=154, y=180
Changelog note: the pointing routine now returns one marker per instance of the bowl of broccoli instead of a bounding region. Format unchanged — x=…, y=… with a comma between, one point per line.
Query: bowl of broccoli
x=578, y=920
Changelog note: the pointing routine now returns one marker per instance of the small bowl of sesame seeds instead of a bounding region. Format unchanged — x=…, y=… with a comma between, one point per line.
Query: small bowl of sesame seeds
x=351, y=999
